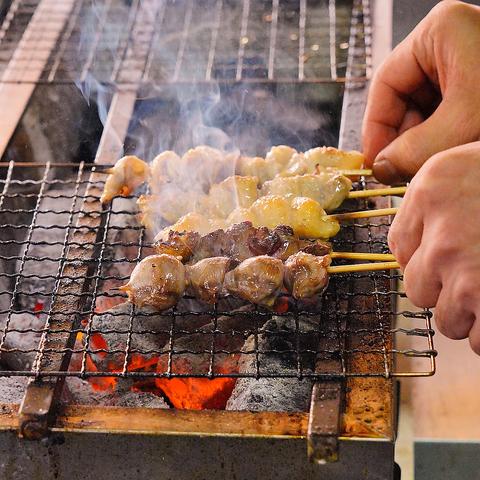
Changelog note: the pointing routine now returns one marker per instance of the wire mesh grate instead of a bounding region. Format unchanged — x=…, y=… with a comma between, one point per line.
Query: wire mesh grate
x=62, y=261
x=104, y=42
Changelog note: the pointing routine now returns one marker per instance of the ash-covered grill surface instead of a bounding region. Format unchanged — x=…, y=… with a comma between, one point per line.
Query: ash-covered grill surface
x=352, y=326
x=229, y=41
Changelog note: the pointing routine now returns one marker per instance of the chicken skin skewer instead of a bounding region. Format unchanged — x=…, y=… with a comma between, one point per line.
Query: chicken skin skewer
x=327, y=188
x=284, y=161
x=195, y=173
x=170, y=203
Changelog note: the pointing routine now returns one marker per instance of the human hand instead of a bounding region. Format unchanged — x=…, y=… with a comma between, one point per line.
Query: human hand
x=425, y=97
x=436, y=239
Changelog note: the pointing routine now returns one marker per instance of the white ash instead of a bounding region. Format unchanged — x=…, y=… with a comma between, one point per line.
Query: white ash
x=12, y=389
x=80, y=392
x=274, y=394
x=22, y=340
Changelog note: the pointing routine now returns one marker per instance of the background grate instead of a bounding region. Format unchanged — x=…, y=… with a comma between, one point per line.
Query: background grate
x=192, y=41
x=47, y=312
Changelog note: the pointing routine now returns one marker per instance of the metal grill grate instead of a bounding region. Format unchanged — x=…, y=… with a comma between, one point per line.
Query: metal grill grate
x=51, y=294
x=224, y=40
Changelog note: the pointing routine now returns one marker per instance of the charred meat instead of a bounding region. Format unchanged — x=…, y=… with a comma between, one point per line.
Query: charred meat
x=239, y=242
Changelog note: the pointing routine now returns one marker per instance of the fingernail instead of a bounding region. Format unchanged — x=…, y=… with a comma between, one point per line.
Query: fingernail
x=386, y=172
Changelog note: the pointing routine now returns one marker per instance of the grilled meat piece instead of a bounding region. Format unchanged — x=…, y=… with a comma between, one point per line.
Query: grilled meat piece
x=304, y=215
x=128, y=174
x=319, y=158
x=179, y=244
x=157, y=281
x=285, y=161
x=257, y=280
x=329, y=189
x=192, y=222
x=232, y=243
x=266, y=168
x=197, y=170
x=306, y=275
x=233, y=192
x=205, y=278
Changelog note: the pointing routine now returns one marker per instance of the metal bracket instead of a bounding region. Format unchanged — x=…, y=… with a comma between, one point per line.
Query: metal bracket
x=35, y=410
x=324, y=421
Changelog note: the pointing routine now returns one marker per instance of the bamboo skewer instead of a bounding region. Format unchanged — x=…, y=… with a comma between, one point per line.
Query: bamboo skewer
x=362, y=214
x=377, y=192
x=362, y=172
x=383, y=257
x=363, y=267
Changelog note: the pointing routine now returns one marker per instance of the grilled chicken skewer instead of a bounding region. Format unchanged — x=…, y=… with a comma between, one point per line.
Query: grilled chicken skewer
x=237, y=193
x=285, y=161
x=239, y=242
x=257, y=280
x=307, y=218
x=159, y=281
x=205, y=279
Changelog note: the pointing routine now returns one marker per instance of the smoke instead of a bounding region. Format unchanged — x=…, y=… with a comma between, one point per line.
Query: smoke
x=168, y=60
x=177, y=109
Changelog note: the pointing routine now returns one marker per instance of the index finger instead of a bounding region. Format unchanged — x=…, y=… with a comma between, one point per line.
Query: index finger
x=398, y=77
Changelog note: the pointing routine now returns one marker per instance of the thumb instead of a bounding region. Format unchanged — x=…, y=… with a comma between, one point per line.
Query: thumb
x=450, y=125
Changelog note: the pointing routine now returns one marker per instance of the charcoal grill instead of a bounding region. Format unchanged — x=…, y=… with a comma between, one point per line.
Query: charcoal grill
x=357, y=323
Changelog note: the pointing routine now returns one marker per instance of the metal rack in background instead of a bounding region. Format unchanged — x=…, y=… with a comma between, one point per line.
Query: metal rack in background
x=303, y=41
x=354, y=318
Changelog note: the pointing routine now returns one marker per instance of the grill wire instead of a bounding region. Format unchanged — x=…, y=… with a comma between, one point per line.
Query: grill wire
x=304, y=41
x=351, y=324
x=49, y=213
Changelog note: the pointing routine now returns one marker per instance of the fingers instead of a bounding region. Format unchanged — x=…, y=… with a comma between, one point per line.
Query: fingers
x=452, y=317
x=412, y=118
x=449, y=126
x=474, y=336
x=421, y=286
x=398, y=77
x=405, y=234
